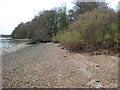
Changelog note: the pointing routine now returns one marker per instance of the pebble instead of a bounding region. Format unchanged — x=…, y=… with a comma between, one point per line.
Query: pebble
x=44, y=76
x=97, y=81
x=64, y=56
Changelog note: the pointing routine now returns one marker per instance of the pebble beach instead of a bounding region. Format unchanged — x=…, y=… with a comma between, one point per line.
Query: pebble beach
x=46, y=65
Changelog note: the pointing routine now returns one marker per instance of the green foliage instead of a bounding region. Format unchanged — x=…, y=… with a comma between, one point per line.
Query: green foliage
x=117, y=37
x=107, y=37
x=63, y=21
x=69, y=37
x=57, y=37
x=74, y=37
x=116, y=40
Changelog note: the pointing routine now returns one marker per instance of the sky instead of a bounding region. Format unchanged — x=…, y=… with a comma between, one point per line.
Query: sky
x=13, y=12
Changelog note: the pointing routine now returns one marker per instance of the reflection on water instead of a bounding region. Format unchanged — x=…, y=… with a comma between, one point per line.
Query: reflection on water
x=8, y=42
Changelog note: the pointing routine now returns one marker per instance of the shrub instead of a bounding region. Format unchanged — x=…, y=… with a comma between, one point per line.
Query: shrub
x=99, y=25
x=74, y=37
x=96, y=25
x=107, y=37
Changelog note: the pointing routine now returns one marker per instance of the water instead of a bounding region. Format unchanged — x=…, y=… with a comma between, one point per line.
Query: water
x=6, y=42
x=9, y=42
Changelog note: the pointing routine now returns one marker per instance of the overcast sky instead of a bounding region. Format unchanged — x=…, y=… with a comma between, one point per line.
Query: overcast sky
x=12, y=12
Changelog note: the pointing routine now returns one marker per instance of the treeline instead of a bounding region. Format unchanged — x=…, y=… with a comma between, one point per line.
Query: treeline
x=48, y=23
x=43, y=26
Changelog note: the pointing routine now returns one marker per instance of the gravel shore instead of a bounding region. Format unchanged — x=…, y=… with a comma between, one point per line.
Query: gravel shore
x=46, y=65
x=13, y=48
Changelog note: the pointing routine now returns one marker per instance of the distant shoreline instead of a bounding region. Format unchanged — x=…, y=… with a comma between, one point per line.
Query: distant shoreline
x=2, y=35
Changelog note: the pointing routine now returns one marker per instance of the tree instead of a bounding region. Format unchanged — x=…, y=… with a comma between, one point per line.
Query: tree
x=71, y=15
x=82, y=7
x=20, y=31
x=44, y=25
x=62, y=18
x=50, y=18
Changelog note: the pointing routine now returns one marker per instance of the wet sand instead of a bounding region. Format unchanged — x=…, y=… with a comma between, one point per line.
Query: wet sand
x=46, y=65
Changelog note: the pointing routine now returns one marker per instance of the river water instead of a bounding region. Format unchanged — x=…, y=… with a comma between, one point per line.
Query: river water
x=6, y=42
x=9, y=42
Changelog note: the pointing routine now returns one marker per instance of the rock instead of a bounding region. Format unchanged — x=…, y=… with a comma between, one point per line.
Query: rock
x=97, y=66
x=62, y=48
x=97, y=81
x=64, y=56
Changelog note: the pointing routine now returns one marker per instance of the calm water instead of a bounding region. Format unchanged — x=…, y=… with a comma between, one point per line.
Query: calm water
x=8, y=42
